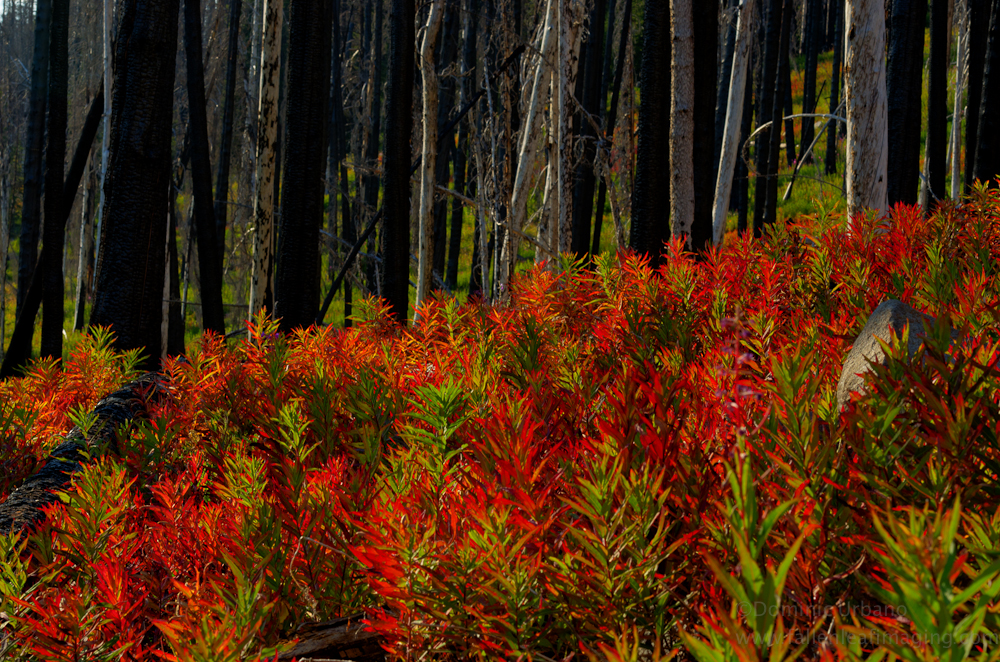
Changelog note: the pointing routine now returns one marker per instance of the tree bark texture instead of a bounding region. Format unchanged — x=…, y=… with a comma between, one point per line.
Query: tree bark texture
x=226, y=135
x=463, y=182
x=31, y=207
x=864, y=78
x=904, y=79
x=201, y=175
x=810, y=38
x=447, y=54
x=979, y=22
x=767, y=111
x=370, y=180
x=429, y=100
x=955, y=140
x=734, y=120
x=130, y=264
x=937, y=102
x=570, y=20
x=611, y=118
x=267, y=136
x=705, y=26
x=651, y=191
x=725, y=76
x=532, y=127
x=988, y=152
x=837, y=7
x=590, y=101
x=55, y=158
x=774, y=150
x=19, y=350
x=85, y=257
x=398, y=126
x=106, y=139
x=681, y=119
x=297, y=276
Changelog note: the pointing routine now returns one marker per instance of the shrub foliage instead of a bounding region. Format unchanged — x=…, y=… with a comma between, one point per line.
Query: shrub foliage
x=617, y=463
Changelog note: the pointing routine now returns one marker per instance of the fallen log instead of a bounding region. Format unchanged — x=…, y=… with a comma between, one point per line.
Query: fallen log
x=24, y=505
x=340, y=640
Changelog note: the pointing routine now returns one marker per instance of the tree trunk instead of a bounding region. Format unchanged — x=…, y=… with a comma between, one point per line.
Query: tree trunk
x=370, y=181
x=570, y=24
x=468, y=71
x=212, y=316
x=297, y=276
x=937, y=103
x=85, y=258
x=399, y=124
x=531, y=131
x=742, y=170
x=611, y=118
x=590, y=102
x=955, y=141
x=226, y=138
x=725, y=77
x=979, y=21
x=904, y=75
x=267, y=134
x=810, y=38
x=429, y=87
x=651, y=190
x=446, y=61
x=988, y=152
x=130, y=263
x=791, y=151
x=681, y=120
x=734, y=120
x=864, y=77
x=106, y=140
x=31, y=207
x=705, y=24
x=172, y=288
x=55, y=158
x=837, y=7
x=774, y=153
x=767, y=111
x=337, y=147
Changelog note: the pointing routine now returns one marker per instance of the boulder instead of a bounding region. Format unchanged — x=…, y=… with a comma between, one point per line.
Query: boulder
x=891, y=314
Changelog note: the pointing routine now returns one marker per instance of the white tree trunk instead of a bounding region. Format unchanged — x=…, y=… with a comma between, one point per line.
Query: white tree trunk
x=962, y=11
x=106, y=140
x=544, y=236
x=867, y=119
x=681, y=119
x=734, y=120
x=267, y=133
x=425, y=252
x=529, y=137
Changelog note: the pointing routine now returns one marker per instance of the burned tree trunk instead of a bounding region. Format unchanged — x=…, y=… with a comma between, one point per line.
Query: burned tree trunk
x=130, y=264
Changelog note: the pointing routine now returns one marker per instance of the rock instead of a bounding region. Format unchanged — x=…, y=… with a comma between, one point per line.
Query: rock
x=891, y=314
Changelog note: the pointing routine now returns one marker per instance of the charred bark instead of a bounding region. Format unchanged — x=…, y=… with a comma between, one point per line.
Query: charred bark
x=399, y=125
x=201, y=175
x=130, y=264
x=651, y=191
x=55, y=157
x=226, y=137
x=297, y=275
x=31, y=207
x=988, y=152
